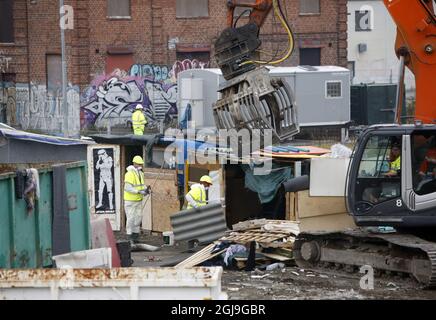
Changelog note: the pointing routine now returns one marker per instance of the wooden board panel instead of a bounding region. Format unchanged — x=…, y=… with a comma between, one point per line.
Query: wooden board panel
x=147, y=217
x=164, y=202
x=334, y=222
x=276, y=257
x=318, y=206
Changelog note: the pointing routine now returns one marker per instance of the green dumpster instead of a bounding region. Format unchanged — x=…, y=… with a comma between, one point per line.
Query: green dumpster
x=26, y=238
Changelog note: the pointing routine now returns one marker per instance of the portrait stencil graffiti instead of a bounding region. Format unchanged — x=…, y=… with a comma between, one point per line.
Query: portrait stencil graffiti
x=104, y=181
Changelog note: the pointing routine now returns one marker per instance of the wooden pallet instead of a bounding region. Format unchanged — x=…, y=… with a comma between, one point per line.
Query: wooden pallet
x=258, y=236
x=256, y=224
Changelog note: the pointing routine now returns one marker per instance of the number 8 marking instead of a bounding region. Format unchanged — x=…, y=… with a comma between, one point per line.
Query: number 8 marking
x=399, y=203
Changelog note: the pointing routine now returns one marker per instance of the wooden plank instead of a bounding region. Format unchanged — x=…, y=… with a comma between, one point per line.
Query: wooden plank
x=334, y=222
x=201, y=259
x=276, y=257
x=147, y=216
x=207, y=249
x=284, y=252
x=319, y=206
x=288, y=206
x=289, y=245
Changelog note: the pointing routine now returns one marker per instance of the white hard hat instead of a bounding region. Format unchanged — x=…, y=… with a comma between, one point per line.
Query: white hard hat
x=139, y=107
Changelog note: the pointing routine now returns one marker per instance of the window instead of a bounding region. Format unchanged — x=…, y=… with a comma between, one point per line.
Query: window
x=310, y=56
x=334, y=89
x=309, y=7
x=363, y=20
x=118, y=8
x=423, y=162
x=379, y=178
x=54, y=73
x=6, y=21
x=192, y=8
x=122, y=62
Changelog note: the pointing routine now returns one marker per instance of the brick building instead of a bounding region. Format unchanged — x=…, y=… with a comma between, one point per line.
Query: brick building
x=121, y=52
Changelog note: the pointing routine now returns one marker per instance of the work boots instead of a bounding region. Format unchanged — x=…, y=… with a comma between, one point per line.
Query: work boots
x=134, y=238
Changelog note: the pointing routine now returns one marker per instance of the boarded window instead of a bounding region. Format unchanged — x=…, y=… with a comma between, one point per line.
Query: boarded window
x=309, y=6
x=6, y=21
x=333, y=89
x=192, y=8
x=54, y=73
x=122, y=62
x=363, y=20
x=118, y=8
x=310, y=56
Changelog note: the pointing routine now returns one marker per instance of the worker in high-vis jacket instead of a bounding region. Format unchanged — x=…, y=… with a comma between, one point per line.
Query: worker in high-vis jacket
x=138, y=121
x=134, y=192
x=197, y=196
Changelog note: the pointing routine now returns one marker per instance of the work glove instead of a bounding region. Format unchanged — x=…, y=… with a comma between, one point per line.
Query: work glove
x=146, y=191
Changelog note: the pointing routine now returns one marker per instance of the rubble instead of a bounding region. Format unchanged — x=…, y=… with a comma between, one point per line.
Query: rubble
x=274, y=239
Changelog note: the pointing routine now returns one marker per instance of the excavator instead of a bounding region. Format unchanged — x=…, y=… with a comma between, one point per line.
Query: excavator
x=250, y=99
x=405, y=200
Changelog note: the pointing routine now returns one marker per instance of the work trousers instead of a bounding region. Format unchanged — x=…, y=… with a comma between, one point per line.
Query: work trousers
x=133, y=211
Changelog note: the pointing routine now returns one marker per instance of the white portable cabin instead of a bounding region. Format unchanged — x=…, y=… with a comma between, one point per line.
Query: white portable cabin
x=322, y=94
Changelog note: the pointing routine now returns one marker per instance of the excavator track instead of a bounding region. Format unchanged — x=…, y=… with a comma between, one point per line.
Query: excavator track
x=396, y=253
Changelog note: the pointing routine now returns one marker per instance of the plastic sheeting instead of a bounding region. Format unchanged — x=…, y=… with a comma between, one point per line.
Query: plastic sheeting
x=266, y=186
x=28, y=136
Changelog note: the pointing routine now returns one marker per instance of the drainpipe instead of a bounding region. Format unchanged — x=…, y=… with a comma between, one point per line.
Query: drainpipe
x=64, y=77
x=28, y=53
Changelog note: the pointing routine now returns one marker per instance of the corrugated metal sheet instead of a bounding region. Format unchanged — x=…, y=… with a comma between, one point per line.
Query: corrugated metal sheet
x=205, y=224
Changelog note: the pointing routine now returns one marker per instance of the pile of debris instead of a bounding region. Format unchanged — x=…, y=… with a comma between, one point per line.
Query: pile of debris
x=264, y=244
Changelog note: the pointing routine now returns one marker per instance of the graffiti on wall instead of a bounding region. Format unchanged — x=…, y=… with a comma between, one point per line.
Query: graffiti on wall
x=42, y=110
x=111, y=99
x=8, y=104
x=4, y=62
x=164, y=73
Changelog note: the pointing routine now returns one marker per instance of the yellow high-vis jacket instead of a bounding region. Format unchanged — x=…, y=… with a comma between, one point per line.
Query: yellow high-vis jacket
x=196, y=197
x=133, y=184
x=138, y=122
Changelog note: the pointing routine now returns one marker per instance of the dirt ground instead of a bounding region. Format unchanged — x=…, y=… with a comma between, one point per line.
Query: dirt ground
x=290, y=283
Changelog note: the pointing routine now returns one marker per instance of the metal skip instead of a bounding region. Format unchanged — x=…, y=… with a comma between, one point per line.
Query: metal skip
x=258, y=103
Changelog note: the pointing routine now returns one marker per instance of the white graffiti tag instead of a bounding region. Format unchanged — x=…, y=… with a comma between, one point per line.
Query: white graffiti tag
x=113, y=98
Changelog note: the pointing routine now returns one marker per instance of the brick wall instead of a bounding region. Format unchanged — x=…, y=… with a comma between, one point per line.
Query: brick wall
x=147, y=33
x=153, y=23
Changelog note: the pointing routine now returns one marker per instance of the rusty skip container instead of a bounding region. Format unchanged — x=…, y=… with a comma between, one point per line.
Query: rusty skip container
x=112, y=284
x=26, y=238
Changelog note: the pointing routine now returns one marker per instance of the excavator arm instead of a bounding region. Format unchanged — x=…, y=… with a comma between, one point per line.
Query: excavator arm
x=259, y=11
x=416, y=44
x=237, y=45
x=251, y=99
